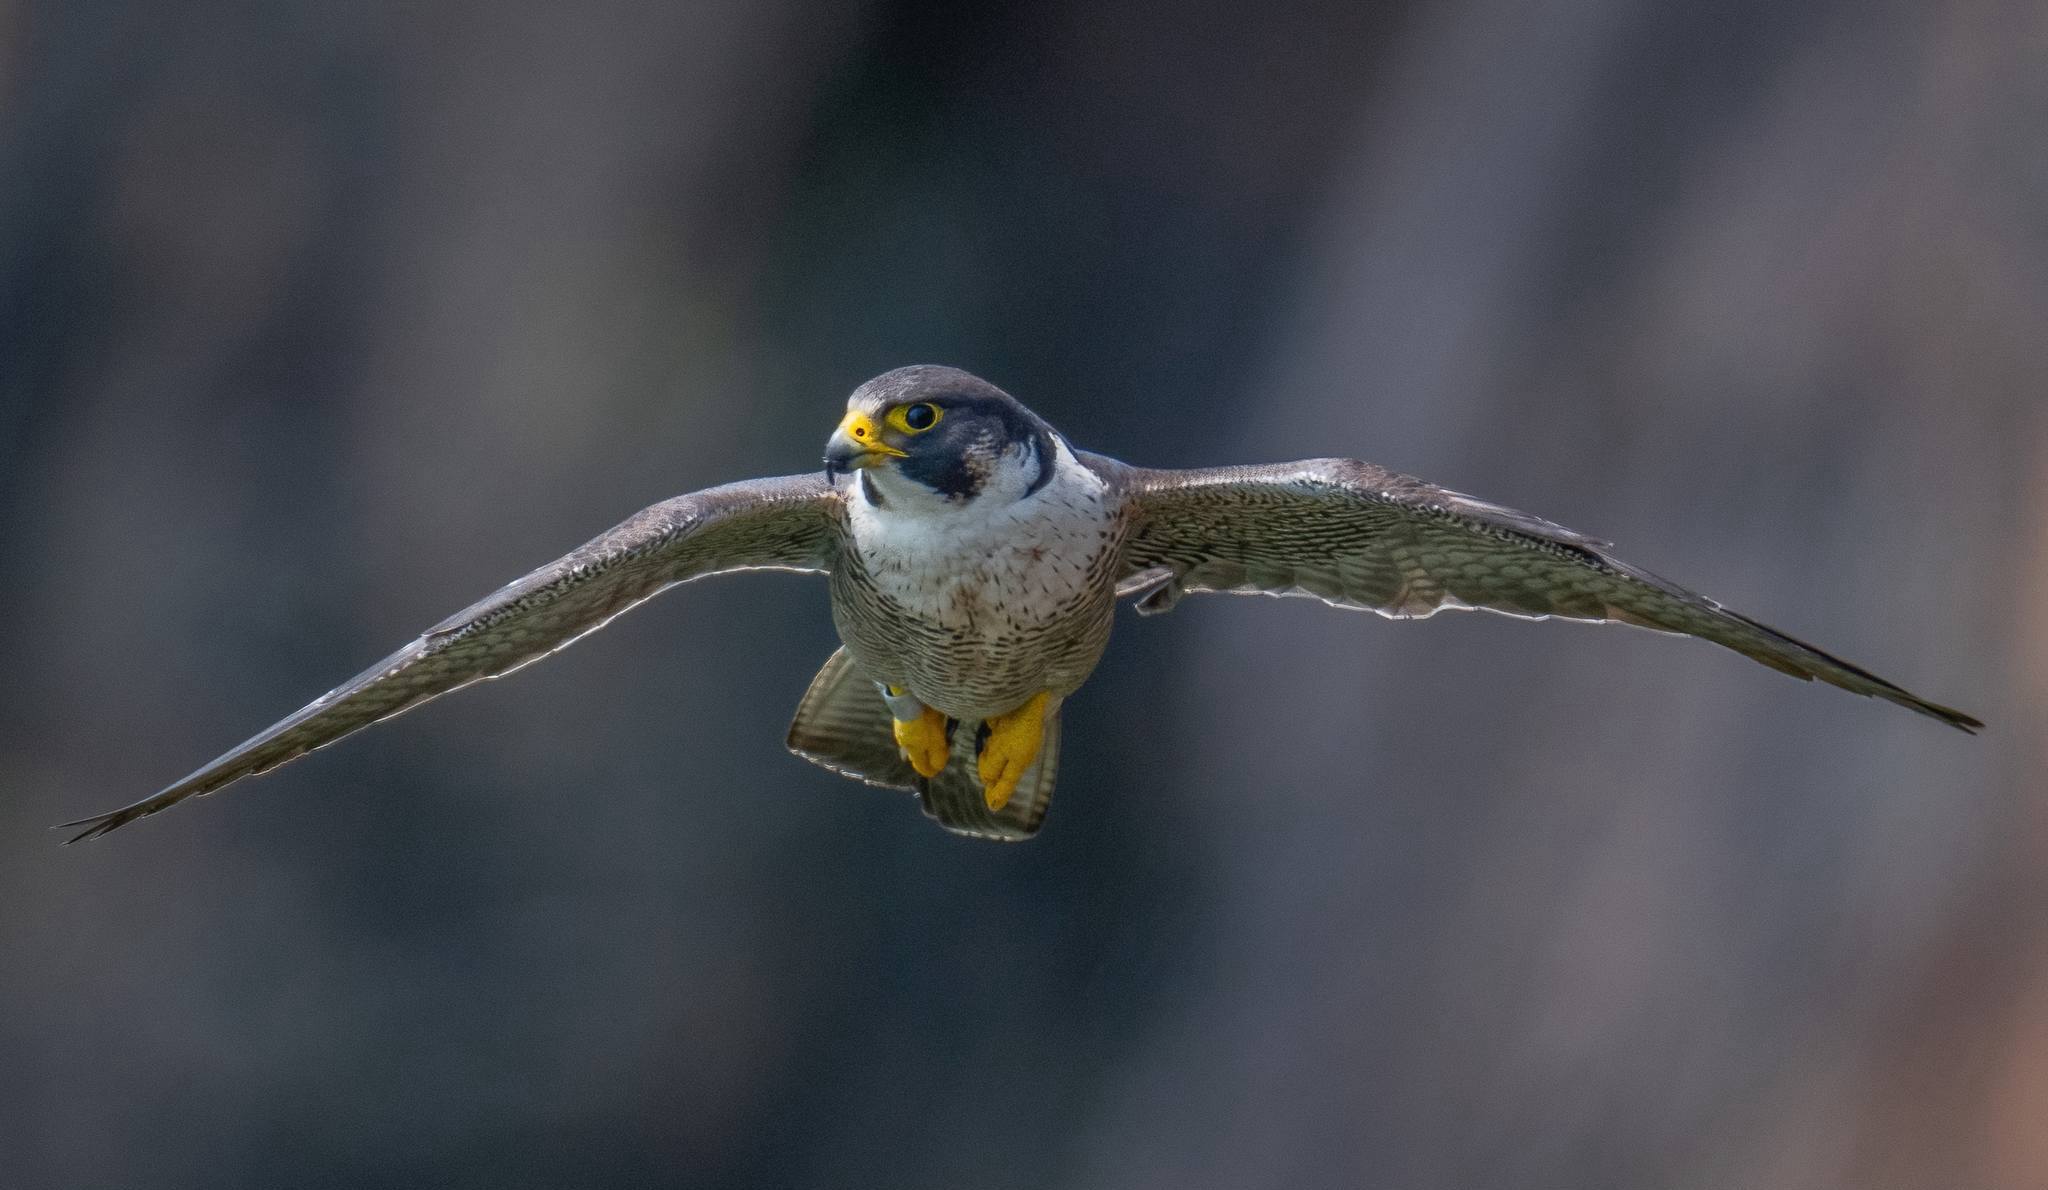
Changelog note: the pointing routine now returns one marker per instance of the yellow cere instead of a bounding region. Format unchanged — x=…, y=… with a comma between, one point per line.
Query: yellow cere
x=862, y=429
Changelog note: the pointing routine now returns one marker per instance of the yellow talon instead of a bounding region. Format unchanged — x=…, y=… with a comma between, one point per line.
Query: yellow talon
x=1012, y=744
x=923, y=741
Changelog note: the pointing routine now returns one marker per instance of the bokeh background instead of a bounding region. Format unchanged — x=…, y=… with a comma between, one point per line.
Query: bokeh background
x=318, y=321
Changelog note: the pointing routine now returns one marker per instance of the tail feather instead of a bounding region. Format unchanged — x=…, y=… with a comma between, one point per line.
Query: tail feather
x=843, y=725
x=954, y=798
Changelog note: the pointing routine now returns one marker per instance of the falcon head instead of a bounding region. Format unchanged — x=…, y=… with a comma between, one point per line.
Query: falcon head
x=927, y=435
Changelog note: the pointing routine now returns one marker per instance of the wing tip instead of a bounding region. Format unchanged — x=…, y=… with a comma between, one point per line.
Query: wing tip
x=1876, y=687
x=1790, y=655
x=99, y=824
x=1872, y=686
x=1965, y=723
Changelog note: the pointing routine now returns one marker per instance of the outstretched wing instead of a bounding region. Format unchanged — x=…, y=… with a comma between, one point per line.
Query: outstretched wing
x=765, y=524
x=1356, y=535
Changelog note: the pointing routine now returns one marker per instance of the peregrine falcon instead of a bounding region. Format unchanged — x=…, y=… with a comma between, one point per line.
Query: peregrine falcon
x=975, y=558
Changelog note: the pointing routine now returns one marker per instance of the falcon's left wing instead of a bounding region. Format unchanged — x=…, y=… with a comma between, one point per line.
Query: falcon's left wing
x=790, y=523
x=1356, y=535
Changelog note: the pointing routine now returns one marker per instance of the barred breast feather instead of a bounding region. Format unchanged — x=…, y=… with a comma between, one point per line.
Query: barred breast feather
x=978, y=609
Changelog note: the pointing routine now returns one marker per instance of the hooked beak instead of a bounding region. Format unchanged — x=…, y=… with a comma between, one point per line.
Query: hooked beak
x=856, y=444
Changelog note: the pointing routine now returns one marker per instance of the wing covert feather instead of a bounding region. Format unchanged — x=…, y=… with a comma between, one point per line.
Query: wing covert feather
x=1356, y=535
x=789, y=523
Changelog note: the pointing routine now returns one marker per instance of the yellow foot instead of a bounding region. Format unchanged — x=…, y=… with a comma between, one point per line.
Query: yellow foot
x=1012, y=745
x=923, y=741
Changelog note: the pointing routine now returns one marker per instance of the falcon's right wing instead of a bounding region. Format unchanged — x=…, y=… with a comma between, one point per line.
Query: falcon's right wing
x=791, y=523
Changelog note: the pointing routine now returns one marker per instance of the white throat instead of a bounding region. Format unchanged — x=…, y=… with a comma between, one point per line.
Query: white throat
x=953, y=561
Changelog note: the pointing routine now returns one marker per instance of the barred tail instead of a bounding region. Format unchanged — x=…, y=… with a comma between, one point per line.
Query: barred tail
x=842, y=724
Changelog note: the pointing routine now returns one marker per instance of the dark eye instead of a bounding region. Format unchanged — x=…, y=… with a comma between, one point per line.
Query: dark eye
x=921, y=416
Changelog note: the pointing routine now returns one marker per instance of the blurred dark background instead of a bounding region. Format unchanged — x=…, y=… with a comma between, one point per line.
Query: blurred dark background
x=319, y=321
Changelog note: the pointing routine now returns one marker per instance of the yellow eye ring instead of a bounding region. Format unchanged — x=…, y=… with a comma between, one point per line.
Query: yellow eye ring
x=915, y=419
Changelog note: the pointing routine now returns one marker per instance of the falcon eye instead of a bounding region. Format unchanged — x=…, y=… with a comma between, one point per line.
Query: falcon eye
x=915, y=419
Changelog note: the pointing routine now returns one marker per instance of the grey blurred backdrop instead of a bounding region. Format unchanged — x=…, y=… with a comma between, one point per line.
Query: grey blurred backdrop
x=322, y=320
